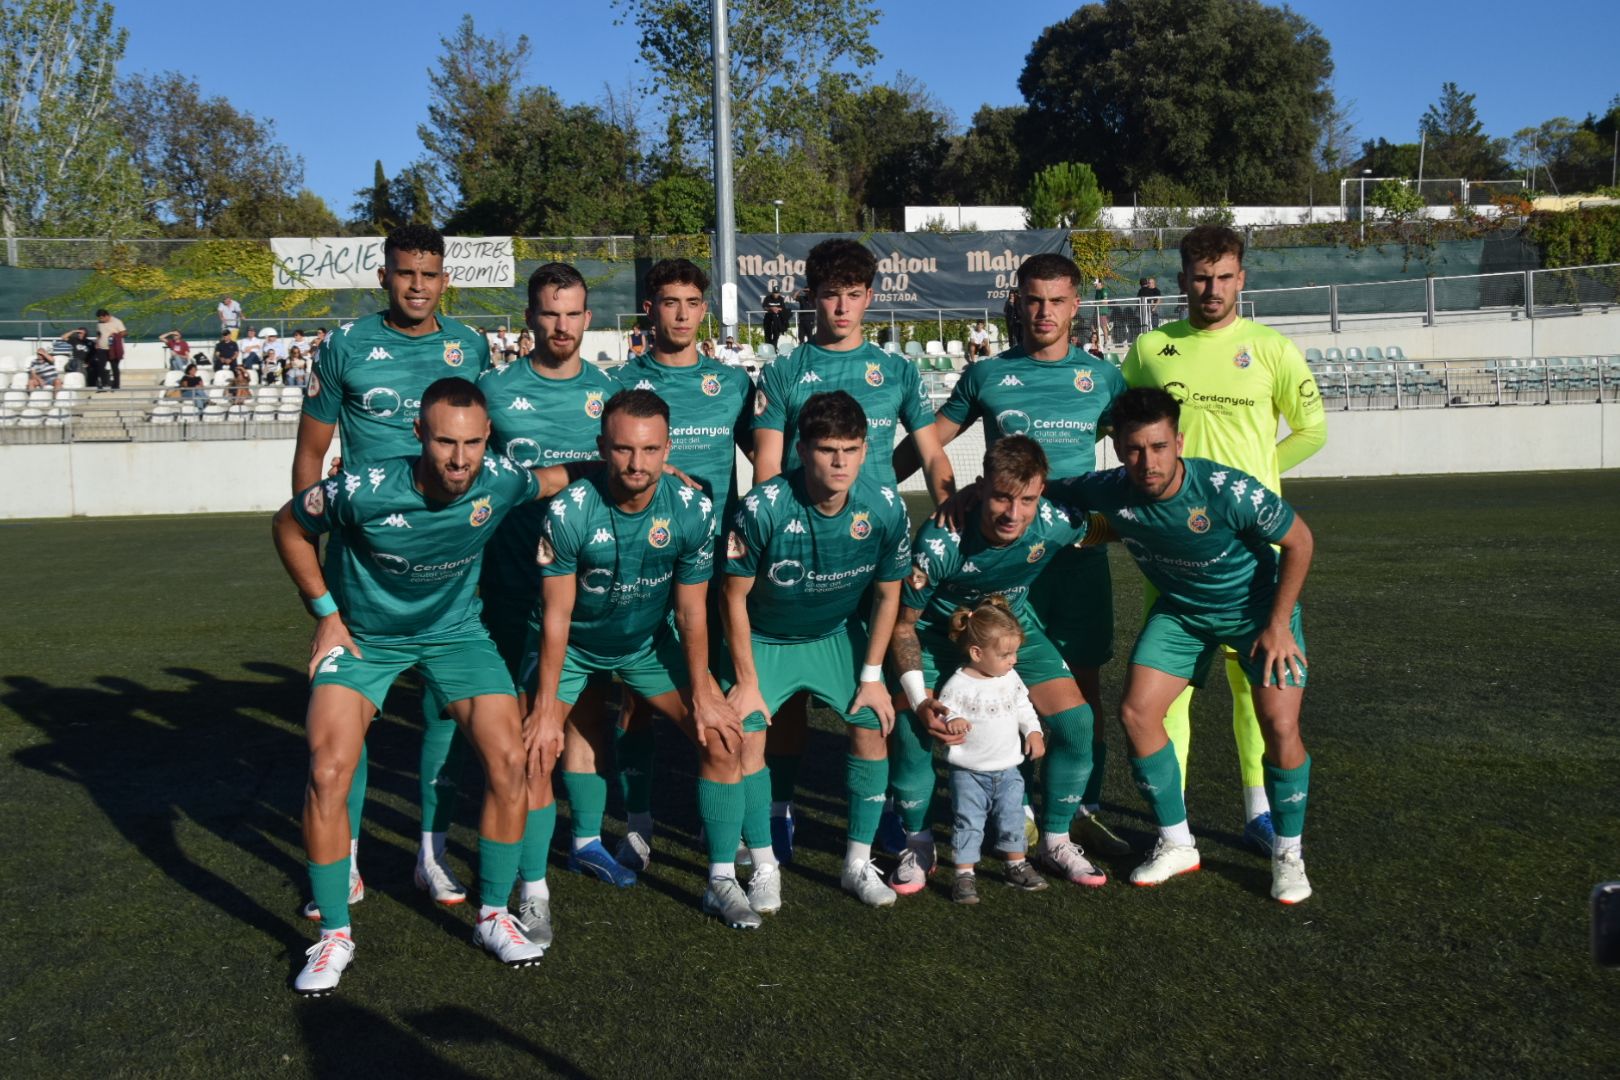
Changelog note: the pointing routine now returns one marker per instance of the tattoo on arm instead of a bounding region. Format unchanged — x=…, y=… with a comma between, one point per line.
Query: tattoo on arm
x=904, y=646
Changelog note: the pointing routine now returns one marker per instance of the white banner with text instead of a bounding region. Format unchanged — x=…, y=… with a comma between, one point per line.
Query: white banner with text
x=352, y=262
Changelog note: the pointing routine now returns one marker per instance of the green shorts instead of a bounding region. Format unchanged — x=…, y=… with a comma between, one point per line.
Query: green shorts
x=1073, y=601
x=827, y=667
x=656, y=668
x=454, y=671
x=1183, y=645
x=1038, y=659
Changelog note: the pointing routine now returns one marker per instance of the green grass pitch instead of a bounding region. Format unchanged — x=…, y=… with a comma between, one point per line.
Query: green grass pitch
x=1466, y=799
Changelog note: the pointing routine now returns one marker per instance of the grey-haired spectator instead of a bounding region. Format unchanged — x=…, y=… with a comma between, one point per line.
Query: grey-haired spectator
x=230, y=317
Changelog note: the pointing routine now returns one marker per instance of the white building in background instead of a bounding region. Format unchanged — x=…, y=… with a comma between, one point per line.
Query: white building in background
x=997, y=218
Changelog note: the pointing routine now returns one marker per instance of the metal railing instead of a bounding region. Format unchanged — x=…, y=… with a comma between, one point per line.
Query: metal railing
x=1435, y=384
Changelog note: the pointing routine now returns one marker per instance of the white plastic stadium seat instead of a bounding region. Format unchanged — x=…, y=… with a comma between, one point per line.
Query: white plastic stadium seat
x=934, y=348
x=214, y=414
x=16, y=398
x=31, y=417
x=953, y=347
x=67, y=398
x=73, y=380
x=263, y=408
x=171, y=378
x=19, y=381
x=164, y=412
x=9, y=365
x=223, y=377
x=237, y=412
x=288, y=413
x=40, y=399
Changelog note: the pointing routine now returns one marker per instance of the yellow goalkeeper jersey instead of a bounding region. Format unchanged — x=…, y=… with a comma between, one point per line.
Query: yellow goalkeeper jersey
x=1233, y=384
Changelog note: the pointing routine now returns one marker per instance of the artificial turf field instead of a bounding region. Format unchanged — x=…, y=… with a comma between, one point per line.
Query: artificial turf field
x=1466, y=798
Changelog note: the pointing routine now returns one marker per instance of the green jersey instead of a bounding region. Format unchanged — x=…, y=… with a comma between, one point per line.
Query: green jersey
x=887, y=386
x=710, y=411
x=1061, y=404
x=626, y=565
x=407, y=568
x=952, y=570
x=369, y=379
x=1233, y=384
x=1207, y=548
x=536, y=422
x=811, y=569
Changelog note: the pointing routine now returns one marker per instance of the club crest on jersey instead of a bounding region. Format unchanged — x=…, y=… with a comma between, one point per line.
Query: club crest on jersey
x=481, y=512
x=1082, y=381
x=593, y=404
x=860, y=526
x=544, y=555
x=315, y=501
x=1037, y=551
x=658, y=535
x=918, y=579
x=1242, y=360
x=735, y=547
x=759, y=403
x=453, y=354
x=874, y=374
x=314, y=388
x=1198, y=520
x=711, y=385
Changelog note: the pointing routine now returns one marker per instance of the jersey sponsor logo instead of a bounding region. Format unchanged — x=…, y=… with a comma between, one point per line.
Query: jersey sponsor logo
x=918, y=579
x=1198, y=520
x=314, y=387
x=658, y=535
x=1037, y=551
x=590, y=578
x=795, y=526
x=453, y=354
x=544, y=553
x=736, y=548
x=315, y=501
x=860, y=526
x=593, y=404
x=381, y=401
x=1013, y=422
x=1010, y=380
x=379, y=353
x=1169, y=350
x=393, y=564
x=711, y=385
x=602, y=536
x=787, y=573
x=1307, y=391
x=520, y=404
x=1242, y=359
x=1083, y=381
x=874, y=374
x=1177, y=390
x=523, y=451
x=396, y=521
x=481, y=512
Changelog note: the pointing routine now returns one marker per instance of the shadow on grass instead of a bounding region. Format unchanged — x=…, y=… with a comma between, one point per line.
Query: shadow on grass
x=463, y=1025
x=344, y=1038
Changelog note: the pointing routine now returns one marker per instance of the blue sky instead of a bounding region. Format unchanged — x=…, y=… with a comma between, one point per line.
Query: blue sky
x=345, y=80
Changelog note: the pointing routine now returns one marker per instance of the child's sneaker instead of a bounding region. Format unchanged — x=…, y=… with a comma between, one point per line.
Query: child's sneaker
x=1023, y=875
x=965, y=890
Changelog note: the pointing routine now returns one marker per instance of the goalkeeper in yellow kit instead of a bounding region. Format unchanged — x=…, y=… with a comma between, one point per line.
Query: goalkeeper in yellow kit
x=1234, y=378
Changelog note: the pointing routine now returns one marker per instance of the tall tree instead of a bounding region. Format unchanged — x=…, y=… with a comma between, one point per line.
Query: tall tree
x=474, y=91
x=1457, y=143
x=203, y=163
x=1227, y=96
x=64, y=164
x=985, y=166
x=1064, y=196
x=891, y=142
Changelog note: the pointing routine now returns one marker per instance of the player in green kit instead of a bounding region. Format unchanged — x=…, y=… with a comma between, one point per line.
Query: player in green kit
x=1203, y=533
x=803, y=549
x=367, y=380
x=1059, y=396
x=713, y=404
x=543, y=411
x=399, y=592
x=1234, y=379
x=618, y=551
x=888, y=389
x=1012, y=537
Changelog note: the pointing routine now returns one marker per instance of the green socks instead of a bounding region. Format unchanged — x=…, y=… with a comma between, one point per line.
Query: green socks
x=784, y=770
x=1158, y=777
x=443, y=763
x=634, y=752
x=357, y=797
x=720, y=806
x=865, y=781
x=329, y=885
x=756, y=822
x=497, y=869
x=1067, y=766
x=587, y=801
x=1289, y=790
x=538, y=829
x=911, y=771
x=1099, y=758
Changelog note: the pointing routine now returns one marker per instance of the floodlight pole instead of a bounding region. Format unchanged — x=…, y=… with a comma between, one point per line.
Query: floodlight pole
x=725, y=211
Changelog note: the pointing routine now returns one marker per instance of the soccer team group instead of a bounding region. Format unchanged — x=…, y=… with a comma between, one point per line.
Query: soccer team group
x=527, y=537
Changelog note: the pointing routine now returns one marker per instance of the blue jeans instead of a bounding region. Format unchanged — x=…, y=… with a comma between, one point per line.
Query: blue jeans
x=983, y=801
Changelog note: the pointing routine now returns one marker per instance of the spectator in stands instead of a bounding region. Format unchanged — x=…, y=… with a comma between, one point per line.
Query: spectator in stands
x=731, y=352
x=252, y=348
x=226, y=351
x=109, y=352
x=295, y=372
x=501, y=343
x=1149, y=295
x=272, y=343
x=230, y=317
x=299, y=342
x=1010, y=320
x=241, y=391
x=42, y=373
x=978, y=342
x=1094, y=346
x=776, y=317
x=639, y=340
x=178, y=348
x=806, y=301
x=706, y=347
x=1099, y=293
x=272, y=368
x=525, y=345
x=315, y=344
x=71, y=350
x=191, y=388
